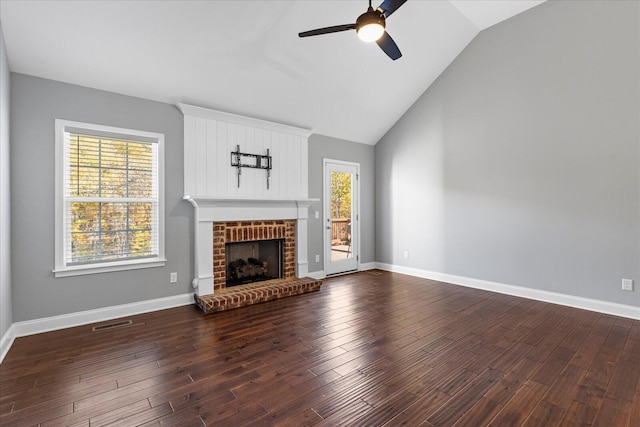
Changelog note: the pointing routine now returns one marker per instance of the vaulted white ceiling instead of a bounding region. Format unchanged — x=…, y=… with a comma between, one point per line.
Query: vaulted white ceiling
x=245, y=57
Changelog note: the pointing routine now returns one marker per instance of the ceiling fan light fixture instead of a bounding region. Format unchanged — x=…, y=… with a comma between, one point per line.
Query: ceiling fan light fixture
x=370, y=26
x=370, y=32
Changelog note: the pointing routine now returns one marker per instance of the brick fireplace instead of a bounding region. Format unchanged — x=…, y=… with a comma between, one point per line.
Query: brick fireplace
x=238, y=219
x=249, y=231
x=239, y=201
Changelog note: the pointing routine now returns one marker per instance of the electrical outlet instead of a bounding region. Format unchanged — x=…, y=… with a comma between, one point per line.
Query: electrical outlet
x=627, y=285
x=173, y=277
x=317, y=258
x=406, y=254
x=317, y=214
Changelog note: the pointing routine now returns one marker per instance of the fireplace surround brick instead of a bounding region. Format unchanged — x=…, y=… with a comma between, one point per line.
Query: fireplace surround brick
x=246, y=231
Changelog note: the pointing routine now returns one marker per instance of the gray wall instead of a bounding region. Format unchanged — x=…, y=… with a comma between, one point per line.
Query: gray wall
x=321, y=147
x=6, y=316
x=35, y=104
x=521, y=163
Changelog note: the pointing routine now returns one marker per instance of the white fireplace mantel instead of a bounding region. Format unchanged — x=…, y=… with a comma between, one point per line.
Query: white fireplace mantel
x=245, y=209
x=209, y=210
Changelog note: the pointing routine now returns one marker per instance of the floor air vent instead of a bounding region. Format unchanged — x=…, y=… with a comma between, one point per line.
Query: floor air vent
x=112, y=325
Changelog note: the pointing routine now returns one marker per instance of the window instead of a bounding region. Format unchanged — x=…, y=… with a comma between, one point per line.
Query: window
x=109, y=199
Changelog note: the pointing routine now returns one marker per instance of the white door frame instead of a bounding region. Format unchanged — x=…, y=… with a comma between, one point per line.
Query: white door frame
x=326, y=215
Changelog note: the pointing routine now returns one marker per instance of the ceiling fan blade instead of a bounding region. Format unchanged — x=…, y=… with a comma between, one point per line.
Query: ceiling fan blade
x=390, y=6
x=389, y=47
x=327, y=30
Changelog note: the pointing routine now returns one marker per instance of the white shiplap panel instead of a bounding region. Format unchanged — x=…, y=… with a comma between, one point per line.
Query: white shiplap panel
x=304, y=166
x=286, y=158
x=209, y=141
x=201, y=156
x=261, y=178
x=223, y=162
x=245, y=181
x=232, y=178
x=251, y=182
x=293, y=167
x=282, y=163
x=189, y=156
x=274, y=184
x=212, y=143
x=240, y=141
x=286, y=167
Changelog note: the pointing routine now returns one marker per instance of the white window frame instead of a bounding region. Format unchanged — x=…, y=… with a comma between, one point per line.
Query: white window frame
x=61, y=268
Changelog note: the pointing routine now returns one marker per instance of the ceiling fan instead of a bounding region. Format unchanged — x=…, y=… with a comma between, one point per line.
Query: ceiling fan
x=370, y=27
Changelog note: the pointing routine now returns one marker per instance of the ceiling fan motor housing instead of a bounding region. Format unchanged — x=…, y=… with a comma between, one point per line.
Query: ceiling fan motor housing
x=370, y=17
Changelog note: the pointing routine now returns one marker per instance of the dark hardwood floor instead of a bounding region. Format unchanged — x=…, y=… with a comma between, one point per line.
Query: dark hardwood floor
x=369, y=349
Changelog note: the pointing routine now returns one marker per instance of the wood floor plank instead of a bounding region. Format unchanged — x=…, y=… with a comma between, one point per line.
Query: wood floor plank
x=303, y=419
x=419, y=410
x=33, y=416
x=590, y=393
x=578, y=415
x=565, y=386
x=504, y=390
x=543, y=415
x=383, y=412
x=613, y=412
x=453, y=409
x=135, y=390
x=584, y=355
x=634, y=418
x=86, y=414
x=233, y=413
x=624, y=381
x=549, y=371
x=119, y=414
x=36, y=398
x=372, y=349
x=631, y=351
x=480, y=413
x=517, y=410
x=141, y=417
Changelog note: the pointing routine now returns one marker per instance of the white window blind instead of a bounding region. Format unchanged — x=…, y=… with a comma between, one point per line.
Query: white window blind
x=110, y=198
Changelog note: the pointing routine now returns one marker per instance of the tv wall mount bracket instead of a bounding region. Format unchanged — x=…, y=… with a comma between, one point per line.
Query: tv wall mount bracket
x=254, y=161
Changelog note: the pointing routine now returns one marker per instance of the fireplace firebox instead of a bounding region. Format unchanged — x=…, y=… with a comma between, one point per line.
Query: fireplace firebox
x=254, y=261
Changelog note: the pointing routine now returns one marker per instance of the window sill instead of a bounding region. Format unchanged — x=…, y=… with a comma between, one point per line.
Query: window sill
x=108, y=267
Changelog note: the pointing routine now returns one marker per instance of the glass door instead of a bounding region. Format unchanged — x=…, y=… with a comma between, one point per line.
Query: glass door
x=341, y=216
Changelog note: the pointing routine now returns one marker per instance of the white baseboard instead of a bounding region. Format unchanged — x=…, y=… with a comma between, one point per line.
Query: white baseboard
x=6, y=342
x=621, y=310
x=368, y=266
x=36, y=326
x=318, y=275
